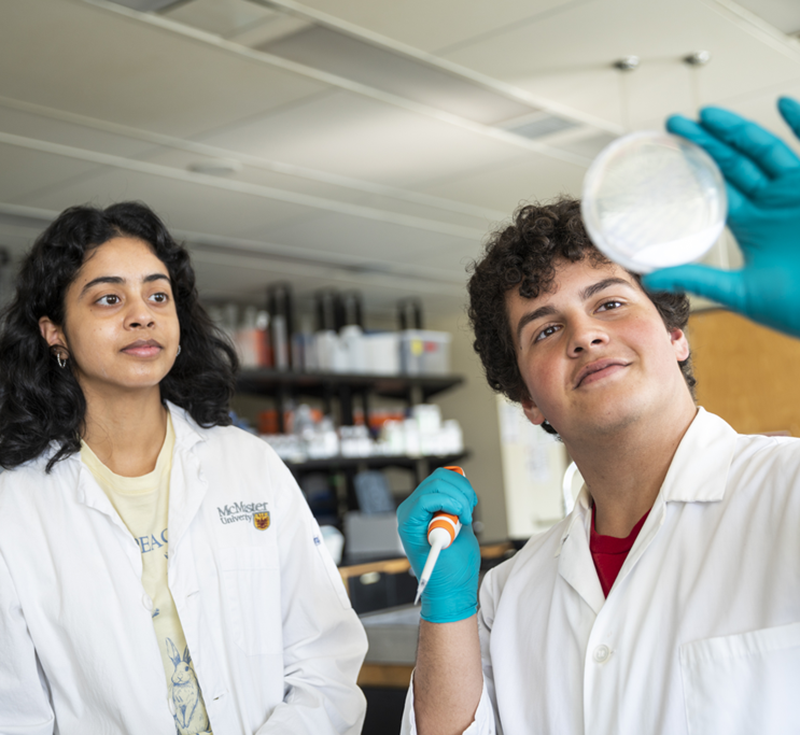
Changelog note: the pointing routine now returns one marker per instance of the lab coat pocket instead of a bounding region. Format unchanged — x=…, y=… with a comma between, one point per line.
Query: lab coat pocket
x=743, y=684
x=252, y=588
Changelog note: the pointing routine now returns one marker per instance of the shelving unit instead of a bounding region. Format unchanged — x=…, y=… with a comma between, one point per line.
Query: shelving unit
x=342, y=387
x=375, y=462
x=345, y=389
x=263, y=381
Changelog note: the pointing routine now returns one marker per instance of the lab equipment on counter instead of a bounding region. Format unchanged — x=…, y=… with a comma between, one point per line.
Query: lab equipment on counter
x=653, y=200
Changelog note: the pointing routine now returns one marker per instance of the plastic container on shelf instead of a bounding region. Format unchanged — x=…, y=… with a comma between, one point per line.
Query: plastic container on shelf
x=392, y=439
x=382, y=353
x=251, y=339
x=352, y=341
x=451, y=438
x=355, y=441
x=424, y=352
x=330, y=353
x=324, y=442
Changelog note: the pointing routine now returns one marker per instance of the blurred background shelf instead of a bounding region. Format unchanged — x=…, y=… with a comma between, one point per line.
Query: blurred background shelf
x=261, y=381
x=375, y=462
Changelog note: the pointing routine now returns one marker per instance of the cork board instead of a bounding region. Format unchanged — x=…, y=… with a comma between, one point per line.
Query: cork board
x=746, y=373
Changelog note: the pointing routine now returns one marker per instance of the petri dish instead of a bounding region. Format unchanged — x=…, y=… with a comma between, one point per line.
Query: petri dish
x=653, y=200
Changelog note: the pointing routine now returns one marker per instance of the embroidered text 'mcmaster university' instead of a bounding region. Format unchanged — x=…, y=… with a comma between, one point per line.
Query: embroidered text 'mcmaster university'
x=240, y=511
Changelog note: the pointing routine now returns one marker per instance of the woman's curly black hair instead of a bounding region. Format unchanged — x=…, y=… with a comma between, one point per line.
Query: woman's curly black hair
x=523, y=256
x=41, y=403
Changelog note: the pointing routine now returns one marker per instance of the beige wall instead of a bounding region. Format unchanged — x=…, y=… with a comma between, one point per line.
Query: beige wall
x=745, y=373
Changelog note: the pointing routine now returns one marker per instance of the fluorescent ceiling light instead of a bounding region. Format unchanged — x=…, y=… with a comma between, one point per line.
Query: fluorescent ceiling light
x=541, y=126
x=147, y=6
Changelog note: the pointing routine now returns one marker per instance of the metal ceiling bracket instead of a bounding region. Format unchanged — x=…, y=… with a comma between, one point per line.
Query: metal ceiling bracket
x=627, y=63
x=697, y=58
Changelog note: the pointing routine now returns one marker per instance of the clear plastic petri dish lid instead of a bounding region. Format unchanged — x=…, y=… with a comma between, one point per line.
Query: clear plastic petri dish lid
x=653, y=200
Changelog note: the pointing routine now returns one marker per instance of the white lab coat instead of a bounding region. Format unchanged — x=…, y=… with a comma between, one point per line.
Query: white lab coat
x=700, y=633
x=275, y=644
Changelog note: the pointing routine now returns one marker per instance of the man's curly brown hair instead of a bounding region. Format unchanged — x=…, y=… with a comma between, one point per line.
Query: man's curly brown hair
x=523, y=256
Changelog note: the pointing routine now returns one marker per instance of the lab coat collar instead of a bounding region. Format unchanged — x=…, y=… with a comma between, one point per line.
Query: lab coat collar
x=699, y=470
x=575, y=564
x=187, y=432
x=698, y=473
x=187, y=482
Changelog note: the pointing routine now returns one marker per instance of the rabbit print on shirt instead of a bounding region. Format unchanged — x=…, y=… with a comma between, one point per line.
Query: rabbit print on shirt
x=189, y=718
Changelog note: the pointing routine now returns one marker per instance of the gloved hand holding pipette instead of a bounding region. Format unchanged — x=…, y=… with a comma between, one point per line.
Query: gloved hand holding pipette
x=451, y=593
x=763, y=183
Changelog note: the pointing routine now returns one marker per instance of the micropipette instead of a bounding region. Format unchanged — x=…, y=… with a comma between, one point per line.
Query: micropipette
x=442, y=531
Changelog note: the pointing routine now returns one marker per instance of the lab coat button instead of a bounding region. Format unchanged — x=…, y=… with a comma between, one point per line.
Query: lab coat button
x=147, y=602
x=601, y=654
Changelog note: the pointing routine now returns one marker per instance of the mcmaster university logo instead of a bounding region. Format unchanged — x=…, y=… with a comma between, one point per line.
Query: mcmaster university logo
x=255, y=513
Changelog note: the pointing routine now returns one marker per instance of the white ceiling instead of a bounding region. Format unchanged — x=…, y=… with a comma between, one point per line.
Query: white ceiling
x=370, y=144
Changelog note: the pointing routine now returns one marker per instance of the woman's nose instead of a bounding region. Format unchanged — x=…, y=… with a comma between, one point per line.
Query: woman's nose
x=139, y=314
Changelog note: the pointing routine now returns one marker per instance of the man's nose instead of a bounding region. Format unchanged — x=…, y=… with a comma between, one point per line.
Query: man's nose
x=586, y=334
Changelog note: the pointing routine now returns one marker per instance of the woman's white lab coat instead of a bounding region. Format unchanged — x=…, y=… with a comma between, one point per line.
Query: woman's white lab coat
x=275, y=643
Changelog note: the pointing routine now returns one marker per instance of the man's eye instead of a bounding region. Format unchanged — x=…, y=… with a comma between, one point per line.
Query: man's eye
x=108, y=300
x=546, y=332
x=608, y=305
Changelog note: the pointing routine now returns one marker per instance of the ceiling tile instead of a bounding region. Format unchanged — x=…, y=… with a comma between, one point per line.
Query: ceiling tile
x=183, y=205
x=376, y=242
x=330, y=195
x=507, y=185
x=223, y=17
x=431, y=26
x=39, y=126
x=76, y=57
x=25, y=172
x=354, y=136
x=244, y=279
x=389, y=71
x=567, y=58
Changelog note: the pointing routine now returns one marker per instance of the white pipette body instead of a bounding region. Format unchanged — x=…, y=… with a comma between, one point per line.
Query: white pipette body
x=440, y=536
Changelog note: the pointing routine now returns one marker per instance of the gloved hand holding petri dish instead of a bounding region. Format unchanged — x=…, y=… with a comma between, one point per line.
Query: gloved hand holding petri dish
x=653, y=200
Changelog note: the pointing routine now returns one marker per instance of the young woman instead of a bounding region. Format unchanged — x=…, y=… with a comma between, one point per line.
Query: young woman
x=160, y=570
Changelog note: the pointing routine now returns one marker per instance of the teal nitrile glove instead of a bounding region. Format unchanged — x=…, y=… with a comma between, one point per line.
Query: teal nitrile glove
x=452, y=591
x=763, y=183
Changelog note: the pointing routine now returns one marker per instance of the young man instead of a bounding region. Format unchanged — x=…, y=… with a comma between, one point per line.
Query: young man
x=669, y=600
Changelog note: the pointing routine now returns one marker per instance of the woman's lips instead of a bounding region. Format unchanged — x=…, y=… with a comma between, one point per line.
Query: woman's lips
x=143, y=348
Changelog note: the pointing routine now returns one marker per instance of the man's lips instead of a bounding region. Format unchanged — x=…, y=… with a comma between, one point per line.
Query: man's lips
x=589, y=373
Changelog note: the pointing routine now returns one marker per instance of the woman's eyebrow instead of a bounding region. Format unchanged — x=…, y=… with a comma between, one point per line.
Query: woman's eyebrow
x=118, y=279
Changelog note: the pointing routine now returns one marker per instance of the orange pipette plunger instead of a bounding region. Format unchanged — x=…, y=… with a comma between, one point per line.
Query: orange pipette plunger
x=442, y=531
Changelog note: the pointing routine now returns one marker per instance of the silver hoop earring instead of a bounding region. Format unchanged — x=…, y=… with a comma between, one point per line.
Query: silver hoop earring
x=61, y=360
x=179, y=351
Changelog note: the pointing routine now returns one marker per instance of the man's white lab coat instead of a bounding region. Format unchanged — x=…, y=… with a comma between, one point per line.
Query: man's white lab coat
x=275, y=643
x=700, y=633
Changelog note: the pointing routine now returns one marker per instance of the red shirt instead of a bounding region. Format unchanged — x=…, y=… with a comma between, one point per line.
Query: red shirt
x=609, y=552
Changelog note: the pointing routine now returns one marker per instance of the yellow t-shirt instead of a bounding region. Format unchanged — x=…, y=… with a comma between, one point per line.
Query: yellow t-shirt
x=143, y=505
